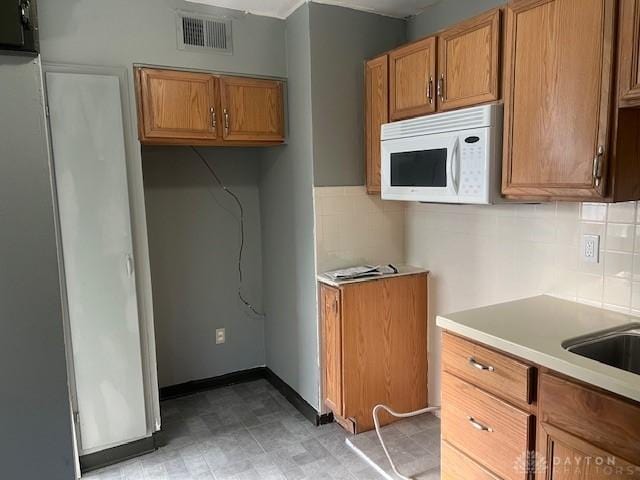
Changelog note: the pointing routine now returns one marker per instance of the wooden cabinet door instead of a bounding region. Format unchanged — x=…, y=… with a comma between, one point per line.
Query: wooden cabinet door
x=252, y=109
x=468, y=62
x=376, y=114
x=384, y=347
x=412, y=72
x=177, y=105
x=629, y=56
x=332, y=347
x=557, y=97
x=562, y=456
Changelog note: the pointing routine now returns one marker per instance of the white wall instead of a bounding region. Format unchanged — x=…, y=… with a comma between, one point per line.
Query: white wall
x=483, y=255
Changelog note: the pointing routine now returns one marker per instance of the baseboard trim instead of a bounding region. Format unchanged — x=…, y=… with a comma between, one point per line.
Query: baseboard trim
x=243, y=376
x=195, y=386
x=104, y=458
x=296, y=399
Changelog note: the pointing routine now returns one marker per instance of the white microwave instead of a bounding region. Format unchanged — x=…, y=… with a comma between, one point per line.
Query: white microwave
x=451, y=157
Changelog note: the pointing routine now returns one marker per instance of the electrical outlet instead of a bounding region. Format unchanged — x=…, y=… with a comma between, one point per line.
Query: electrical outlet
x=591, y=248
x=220, y=336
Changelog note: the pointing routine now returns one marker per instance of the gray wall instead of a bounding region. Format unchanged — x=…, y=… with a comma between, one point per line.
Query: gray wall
x=36, y=425
x=445, y=13
x=341, y=39
x=187, y=303
x=286, y=202
x=194, y=234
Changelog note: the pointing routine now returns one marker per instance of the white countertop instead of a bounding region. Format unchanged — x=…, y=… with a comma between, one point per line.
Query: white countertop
x=402, y=271
x=535, y=328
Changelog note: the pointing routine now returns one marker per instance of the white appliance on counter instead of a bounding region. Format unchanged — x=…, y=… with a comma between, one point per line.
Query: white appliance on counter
x=451, y=157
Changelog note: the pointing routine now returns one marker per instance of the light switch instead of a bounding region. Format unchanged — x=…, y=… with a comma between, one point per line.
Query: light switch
x=220, y=336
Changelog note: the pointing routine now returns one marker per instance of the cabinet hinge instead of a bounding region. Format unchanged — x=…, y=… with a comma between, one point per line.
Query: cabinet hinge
x=76, y=418
x=47, y=112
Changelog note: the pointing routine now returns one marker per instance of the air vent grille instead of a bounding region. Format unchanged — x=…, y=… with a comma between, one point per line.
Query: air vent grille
x=204, y=32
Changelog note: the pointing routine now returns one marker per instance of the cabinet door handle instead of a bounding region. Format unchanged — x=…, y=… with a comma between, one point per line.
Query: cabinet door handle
x=475, y=364
x=430, y=90
x=441, y=87
x=597, y=166
x=213, y=117
x=478, y=426
x=226, y=121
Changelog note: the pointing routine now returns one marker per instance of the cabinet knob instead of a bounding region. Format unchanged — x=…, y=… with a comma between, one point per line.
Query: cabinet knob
x=213, y=117
x=597, y=166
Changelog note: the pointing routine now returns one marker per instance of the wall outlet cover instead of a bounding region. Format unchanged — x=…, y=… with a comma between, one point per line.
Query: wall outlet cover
x=220, y=336
x=591, y=248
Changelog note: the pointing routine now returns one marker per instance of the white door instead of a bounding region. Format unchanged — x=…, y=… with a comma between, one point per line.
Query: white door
x=90, y=173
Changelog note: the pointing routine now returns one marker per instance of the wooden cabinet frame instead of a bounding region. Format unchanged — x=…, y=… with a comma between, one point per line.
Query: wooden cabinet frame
x=211, y=127
x=427, y=88
x=152, y=113
x=376, y=114
x=490, y=20
x=594, y=189
x=629, y=54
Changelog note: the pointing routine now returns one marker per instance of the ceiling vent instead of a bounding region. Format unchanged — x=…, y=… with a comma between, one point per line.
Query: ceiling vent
x=196, y=31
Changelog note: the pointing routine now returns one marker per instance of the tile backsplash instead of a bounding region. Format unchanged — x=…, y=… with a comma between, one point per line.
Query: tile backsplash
x=479, y=255
x=354, y=228
x=494, y=253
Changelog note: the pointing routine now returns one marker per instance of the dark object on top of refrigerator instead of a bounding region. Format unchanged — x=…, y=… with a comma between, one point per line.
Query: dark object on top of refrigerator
x=19, y=27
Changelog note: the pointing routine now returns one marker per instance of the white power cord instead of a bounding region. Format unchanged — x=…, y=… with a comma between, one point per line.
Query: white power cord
x=376, y=422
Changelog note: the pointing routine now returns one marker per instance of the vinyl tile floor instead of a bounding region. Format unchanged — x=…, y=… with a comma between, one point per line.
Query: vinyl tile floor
x=414, y=445
x=242, y=432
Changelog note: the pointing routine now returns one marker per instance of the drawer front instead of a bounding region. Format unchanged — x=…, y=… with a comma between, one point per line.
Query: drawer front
x=455, y=465
x=600, y=419
x=487, y=429
x=493, y=371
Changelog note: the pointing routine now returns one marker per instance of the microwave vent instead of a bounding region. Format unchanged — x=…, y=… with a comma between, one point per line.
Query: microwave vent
x=197, y=31
x=475, y=117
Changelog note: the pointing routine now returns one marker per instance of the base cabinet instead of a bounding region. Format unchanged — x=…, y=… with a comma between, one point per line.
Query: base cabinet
x=374, y=348
x=569, y=431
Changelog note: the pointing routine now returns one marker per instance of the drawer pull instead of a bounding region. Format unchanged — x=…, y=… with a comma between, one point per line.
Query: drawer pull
x=480, y=366
x=478, y=425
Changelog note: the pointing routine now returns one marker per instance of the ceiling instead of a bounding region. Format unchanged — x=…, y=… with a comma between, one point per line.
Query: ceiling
x=282, y=8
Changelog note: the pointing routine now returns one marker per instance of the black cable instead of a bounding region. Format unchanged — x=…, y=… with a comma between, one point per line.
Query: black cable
x=241, y=250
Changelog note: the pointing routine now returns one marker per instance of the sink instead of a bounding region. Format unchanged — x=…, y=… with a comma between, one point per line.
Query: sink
x=618, y=348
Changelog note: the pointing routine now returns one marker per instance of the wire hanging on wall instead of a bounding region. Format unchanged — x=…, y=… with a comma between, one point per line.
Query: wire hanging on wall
x=213, y=173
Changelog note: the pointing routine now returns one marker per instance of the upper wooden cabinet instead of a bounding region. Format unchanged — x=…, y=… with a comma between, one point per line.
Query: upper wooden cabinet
x=559, y=75
x=252, y=109
x=412, y=73
x=629, y=76
x=177, y=105
x=468, y=62
x=376, y=114
x=187, y=108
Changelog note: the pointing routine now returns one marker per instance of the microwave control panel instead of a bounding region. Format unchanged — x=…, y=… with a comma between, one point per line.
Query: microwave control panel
x=473, y=168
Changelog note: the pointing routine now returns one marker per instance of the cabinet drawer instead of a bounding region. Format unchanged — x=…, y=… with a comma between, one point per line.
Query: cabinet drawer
x=487, y=429
x=602, y=420
x=493, y=371
x=455, y=465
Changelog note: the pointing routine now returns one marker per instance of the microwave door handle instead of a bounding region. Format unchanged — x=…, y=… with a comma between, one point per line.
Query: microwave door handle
x=455, y=165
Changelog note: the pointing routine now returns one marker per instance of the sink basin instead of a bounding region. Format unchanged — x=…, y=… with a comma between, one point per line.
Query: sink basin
x=618, y=348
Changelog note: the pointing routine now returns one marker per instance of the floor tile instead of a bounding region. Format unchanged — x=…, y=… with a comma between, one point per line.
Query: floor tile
x=250, y=431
